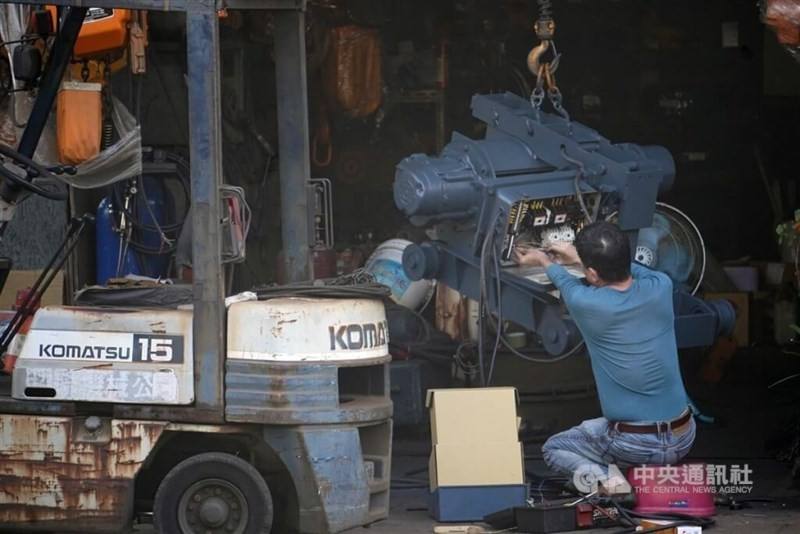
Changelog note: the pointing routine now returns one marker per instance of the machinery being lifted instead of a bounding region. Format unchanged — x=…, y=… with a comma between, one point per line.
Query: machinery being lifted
x=270, y=415
x=538, y=177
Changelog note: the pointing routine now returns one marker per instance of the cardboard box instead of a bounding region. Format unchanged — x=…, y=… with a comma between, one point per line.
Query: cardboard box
x=741, y=301
x=475, y=503
x=485, y=463
x=21, y=279
x=473, y=415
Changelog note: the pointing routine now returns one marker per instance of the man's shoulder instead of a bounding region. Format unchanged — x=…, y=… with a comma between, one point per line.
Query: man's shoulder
x=661, y=278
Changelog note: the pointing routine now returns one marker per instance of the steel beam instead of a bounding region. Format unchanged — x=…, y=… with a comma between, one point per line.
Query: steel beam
x=293, y=141
x=175, y=5
x=156, y=5
x=263, y=4
x=202, y=36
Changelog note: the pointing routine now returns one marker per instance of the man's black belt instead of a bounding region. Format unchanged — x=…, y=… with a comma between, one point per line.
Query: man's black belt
x=654, y=428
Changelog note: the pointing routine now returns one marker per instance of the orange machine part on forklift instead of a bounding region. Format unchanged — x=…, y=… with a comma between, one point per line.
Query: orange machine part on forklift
x=102, y=31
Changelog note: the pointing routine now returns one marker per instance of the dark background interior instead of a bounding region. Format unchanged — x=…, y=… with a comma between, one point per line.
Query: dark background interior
x=709, y=83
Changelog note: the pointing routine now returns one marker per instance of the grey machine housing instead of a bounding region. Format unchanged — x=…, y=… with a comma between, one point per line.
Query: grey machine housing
x=479, y=189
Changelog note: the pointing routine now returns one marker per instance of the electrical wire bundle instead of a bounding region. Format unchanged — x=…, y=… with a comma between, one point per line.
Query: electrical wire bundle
x=131, y=201
x=412, y=336
x=333, y=289
x=370, y=291
x=490, y=259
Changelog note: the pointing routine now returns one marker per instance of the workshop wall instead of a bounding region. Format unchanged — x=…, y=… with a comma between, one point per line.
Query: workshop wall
x=673, y=74
x=699, y=81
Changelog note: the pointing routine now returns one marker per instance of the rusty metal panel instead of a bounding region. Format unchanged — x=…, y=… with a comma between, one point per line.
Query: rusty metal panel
x=55, y=471
x=202, y=49
x=293, y=140
x=335, y=477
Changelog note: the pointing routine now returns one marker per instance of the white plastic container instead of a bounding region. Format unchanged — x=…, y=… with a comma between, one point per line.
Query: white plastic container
x=386, y=264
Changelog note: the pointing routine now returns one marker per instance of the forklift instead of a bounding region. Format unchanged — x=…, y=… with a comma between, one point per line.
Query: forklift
x=268, y=415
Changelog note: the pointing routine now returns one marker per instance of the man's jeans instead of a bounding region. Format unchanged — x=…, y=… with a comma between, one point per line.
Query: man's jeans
x=592, y=446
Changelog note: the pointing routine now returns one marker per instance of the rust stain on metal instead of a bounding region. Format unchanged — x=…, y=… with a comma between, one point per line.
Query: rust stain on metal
x=100, y=366
x=158, y=327
x=53, y=469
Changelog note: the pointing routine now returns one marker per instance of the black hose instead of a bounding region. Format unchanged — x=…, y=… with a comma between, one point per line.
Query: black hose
x=364, y=291
x=182, y=173
x=170, y=231
x=483, y=306
x=33, y=170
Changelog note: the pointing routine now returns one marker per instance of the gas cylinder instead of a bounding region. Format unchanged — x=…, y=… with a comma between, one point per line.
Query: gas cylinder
x=109, y=240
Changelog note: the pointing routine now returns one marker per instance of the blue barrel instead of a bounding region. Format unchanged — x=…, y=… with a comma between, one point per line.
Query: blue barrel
x=161, y=204
x=109, y=241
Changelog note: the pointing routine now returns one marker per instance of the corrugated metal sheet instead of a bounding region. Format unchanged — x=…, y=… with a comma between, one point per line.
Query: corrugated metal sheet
x=298, y=393
x=52, y=469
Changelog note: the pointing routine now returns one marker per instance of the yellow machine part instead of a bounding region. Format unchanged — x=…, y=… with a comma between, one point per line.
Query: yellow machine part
x=103, y=31
x=79, y=122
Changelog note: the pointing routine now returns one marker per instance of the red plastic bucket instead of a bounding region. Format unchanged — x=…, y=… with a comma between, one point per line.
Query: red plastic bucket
x=672, y=489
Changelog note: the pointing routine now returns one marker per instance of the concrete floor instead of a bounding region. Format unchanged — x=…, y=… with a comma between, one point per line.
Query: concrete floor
x=749, y=521
x=748, y=415
x=409, y=507
x=410, y=516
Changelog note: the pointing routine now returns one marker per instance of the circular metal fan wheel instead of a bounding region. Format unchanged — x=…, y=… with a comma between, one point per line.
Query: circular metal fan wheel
x=672, y=245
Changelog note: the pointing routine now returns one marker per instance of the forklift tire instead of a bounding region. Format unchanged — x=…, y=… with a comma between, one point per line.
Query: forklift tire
x=213, y=493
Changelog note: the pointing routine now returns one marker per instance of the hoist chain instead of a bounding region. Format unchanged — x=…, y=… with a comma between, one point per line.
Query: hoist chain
x=545, y=70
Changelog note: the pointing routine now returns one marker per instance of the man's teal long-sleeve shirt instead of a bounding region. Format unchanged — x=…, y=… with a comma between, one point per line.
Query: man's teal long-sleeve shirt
x=630, y=336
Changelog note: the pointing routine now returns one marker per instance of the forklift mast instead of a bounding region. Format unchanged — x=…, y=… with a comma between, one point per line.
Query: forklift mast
x=261, y=409
x=203, y=64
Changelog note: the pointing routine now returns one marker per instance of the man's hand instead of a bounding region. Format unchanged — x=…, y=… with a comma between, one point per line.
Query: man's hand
x=564, y=253
x=531, y=256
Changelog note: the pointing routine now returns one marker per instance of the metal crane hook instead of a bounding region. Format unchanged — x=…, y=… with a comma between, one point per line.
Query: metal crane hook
x=535, y=55
x=545, y=30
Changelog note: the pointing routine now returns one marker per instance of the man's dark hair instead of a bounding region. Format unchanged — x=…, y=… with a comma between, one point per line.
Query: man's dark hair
x=606, y=249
